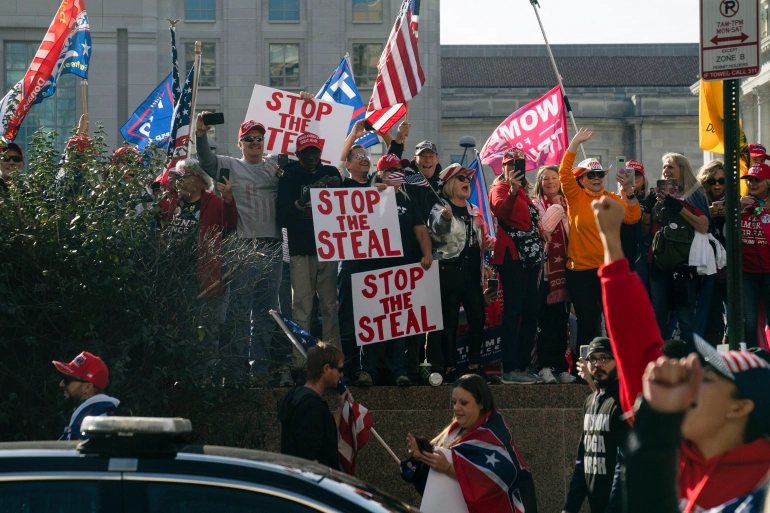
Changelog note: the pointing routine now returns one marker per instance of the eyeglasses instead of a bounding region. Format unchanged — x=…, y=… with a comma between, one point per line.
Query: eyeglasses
x=714, y=181
x=69, y=379
x=603, y=359
x=361, y=156
x=14, y=158
x=463, y=178
x=595, y=174
x=251, y=139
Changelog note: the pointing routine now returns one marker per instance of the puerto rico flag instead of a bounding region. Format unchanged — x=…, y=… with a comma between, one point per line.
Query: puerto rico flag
x=66, y=48
x=490, y=471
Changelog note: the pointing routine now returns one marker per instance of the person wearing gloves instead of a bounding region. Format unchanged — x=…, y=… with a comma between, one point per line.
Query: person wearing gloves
x=724, y=452
x=308, y=276
x=554, y=305
x=581, y=186
x=460, y=237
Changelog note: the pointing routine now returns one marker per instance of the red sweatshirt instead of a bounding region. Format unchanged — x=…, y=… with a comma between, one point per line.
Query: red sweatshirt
x=513, y=211
x=636, y=341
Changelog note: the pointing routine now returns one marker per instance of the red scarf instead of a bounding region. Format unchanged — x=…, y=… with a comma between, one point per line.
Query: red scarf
x=557, y=262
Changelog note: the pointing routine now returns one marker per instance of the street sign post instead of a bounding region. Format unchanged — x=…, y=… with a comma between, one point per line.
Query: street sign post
x=729, y=39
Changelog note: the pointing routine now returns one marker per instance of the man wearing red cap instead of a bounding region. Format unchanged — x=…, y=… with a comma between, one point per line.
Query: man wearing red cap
x=254, y=289
x=83, y=384
x=308, y=276
x=11, y=160
x=758, y=153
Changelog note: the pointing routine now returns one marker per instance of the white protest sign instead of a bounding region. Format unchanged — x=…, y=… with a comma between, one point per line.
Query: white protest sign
x=396, y=302
x=285, y=116
x=355, y=223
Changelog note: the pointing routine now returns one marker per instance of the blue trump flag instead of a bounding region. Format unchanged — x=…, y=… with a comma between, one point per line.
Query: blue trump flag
x=341, y=88
x=479, y=195
x=151, y=121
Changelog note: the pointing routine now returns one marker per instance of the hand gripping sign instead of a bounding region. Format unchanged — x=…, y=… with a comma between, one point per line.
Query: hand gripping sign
x=285, y=116
x=396, y=302
x=355, y=223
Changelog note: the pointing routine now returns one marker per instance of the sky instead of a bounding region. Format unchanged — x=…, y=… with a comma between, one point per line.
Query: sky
x=569, y=21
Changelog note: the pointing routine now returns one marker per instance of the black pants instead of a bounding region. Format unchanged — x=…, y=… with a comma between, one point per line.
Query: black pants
x=552, y=336
x=585, y=292
x=345, y=316
x=460, y=285
x=521, y=305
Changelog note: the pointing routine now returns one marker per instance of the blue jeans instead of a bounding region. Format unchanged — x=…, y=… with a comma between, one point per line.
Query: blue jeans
x=522, y=306
x=755, y=286
x=253, y=293
x=395, y=358
x=667, y=295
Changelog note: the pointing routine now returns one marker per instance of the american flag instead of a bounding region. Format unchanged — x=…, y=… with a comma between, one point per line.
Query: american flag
x=355, y=424
x=180, y=126
x=400, y=75
x=410, y=179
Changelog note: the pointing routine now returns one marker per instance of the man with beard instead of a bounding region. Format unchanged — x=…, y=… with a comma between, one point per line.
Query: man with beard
x=83, y=384
x=308, y=276
x=597, y=467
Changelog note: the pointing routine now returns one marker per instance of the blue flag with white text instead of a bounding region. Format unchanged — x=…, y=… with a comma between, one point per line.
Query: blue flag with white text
x=151, y=121
x=479, y=195
x=341, y=88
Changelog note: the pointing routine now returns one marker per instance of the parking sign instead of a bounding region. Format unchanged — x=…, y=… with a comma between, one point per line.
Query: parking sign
x=729, y=39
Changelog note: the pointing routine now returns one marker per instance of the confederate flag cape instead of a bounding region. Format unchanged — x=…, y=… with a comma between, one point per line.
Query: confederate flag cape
x=492, y=475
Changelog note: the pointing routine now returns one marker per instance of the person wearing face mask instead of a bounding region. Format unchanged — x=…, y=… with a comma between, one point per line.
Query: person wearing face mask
x=11, y=160
x=473, y=464
x=309, y=276
x=755, y=228
x=673, y=283
x=583, y=185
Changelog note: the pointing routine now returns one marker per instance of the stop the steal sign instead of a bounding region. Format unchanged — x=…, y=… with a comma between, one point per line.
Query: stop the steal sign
x=396, y=302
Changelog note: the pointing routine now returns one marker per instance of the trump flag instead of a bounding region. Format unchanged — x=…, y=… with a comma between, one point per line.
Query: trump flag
x=539, y=128
x=151, y=121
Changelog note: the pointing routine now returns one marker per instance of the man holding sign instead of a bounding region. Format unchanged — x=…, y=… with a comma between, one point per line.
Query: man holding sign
x=308, y=275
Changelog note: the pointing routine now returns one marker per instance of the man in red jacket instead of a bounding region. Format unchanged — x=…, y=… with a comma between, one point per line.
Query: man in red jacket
x=724, y=453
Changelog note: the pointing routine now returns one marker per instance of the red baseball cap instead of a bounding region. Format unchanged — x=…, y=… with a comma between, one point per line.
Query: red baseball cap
x=122, y=152
x=12, y=146
x=86, y=366
x=79, y=143
x=306, y=140
x=249, y=125
x=453, y=170
x=637, y=166
x=514, y=154
x=758, y=150
x=758, y=170
x=391, y=160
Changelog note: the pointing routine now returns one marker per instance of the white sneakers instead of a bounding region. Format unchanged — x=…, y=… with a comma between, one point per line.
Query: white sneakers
x=547, y=375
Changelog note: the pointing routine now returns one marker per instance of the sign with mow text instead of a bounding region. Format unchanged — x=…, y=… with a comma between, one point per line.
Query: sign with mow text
x=396, y=302
x=285, y=116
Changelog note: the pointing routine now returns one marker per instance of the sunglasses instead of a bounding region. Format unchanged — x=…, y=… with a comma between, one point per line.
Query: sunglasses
x=595, y=174
x=14, y=158
x=463, y=178
x=339, y=369
x=361, y=156
x=751, y=179
x=714, y=181
x=69, y=379
x=251, y=139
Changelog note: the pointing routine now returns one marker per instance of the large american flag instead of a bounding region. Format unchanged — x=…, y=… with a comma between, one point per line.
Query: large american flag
x=180, y=126
x=400, y=75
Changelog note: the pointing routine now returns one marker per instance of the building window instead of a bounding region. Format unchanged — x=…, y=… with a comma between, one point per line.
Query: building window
x=284, y=65
x=204, y=10
x=55, y=113
x=367, y=10
x=207, y=75
x=365, y=57
x=284, y=10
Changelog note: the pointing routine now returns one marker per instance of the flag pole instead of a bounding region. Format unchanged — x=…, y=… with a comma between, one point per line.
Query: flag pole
x=84, y=94
x=302, y=351
x=535, y=5
x=194, y=94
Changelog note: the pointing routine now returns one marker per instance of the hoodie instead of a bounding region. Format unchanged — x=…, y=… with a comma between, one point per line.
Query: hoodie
x=636, y=341
x=308, y=429
x=299, y=223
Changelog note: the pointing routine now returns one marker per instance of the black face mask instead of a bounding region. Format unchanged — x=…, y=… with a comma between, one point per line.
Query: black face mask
x=309, y=157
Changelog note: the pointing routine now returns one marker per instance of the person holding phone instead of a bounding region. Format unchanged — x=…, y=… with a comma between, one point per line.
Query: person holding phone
x=446, y=467
x=520, y=268
x=673, y=285
x=582, y=186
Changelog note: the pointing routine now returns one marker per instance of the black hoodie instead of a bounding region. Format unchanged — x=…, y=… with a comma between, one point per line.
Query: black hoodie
x=299, y=223
x=308, y=429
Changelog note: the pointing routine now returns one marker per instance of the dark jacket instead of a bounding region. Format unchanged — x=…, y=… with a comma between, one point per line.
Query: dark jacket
x=308, y=429
x=299, y=223
x=425, y=198
x=597, y=468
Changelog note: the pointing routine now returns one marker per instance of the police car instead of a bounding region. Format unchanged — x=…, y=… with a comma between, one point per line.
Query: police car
x=135, y=465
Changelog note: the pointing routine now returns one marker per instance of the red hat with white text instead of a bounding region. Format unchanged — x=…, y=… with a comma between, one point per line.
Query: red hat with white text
x=391, y=160
x=87, y=366
x=307, y=140
x=758, y=150
x=637, y=166
x=453, y=170
x=250, y=125
x=759, y=170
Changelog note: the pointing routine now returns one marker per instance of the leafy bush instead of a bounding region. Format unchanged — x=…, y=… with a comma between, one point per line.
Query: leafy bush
x=80, y=269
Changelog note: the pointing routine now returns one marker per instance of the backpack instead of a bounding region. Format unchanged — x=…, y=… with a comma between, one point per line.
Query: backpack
x=671, y=245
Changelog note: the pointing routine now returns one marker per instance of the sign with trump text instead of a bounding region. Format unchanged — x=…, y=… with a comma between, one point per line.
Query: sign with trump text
x=286, y=115
x=396, y=302
x=539, y=129
x=356, y=223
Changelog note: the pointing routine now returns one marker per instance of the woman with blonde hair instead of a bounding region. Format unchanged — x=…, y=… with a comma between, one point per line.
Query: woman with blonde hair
x=552, y=339
x=446, y=474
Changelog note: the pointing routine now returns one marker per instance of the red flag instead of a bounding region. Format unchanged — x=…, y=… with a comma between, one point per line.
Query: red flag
x=355, y=424
x=539, y=129
x=400, y=75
